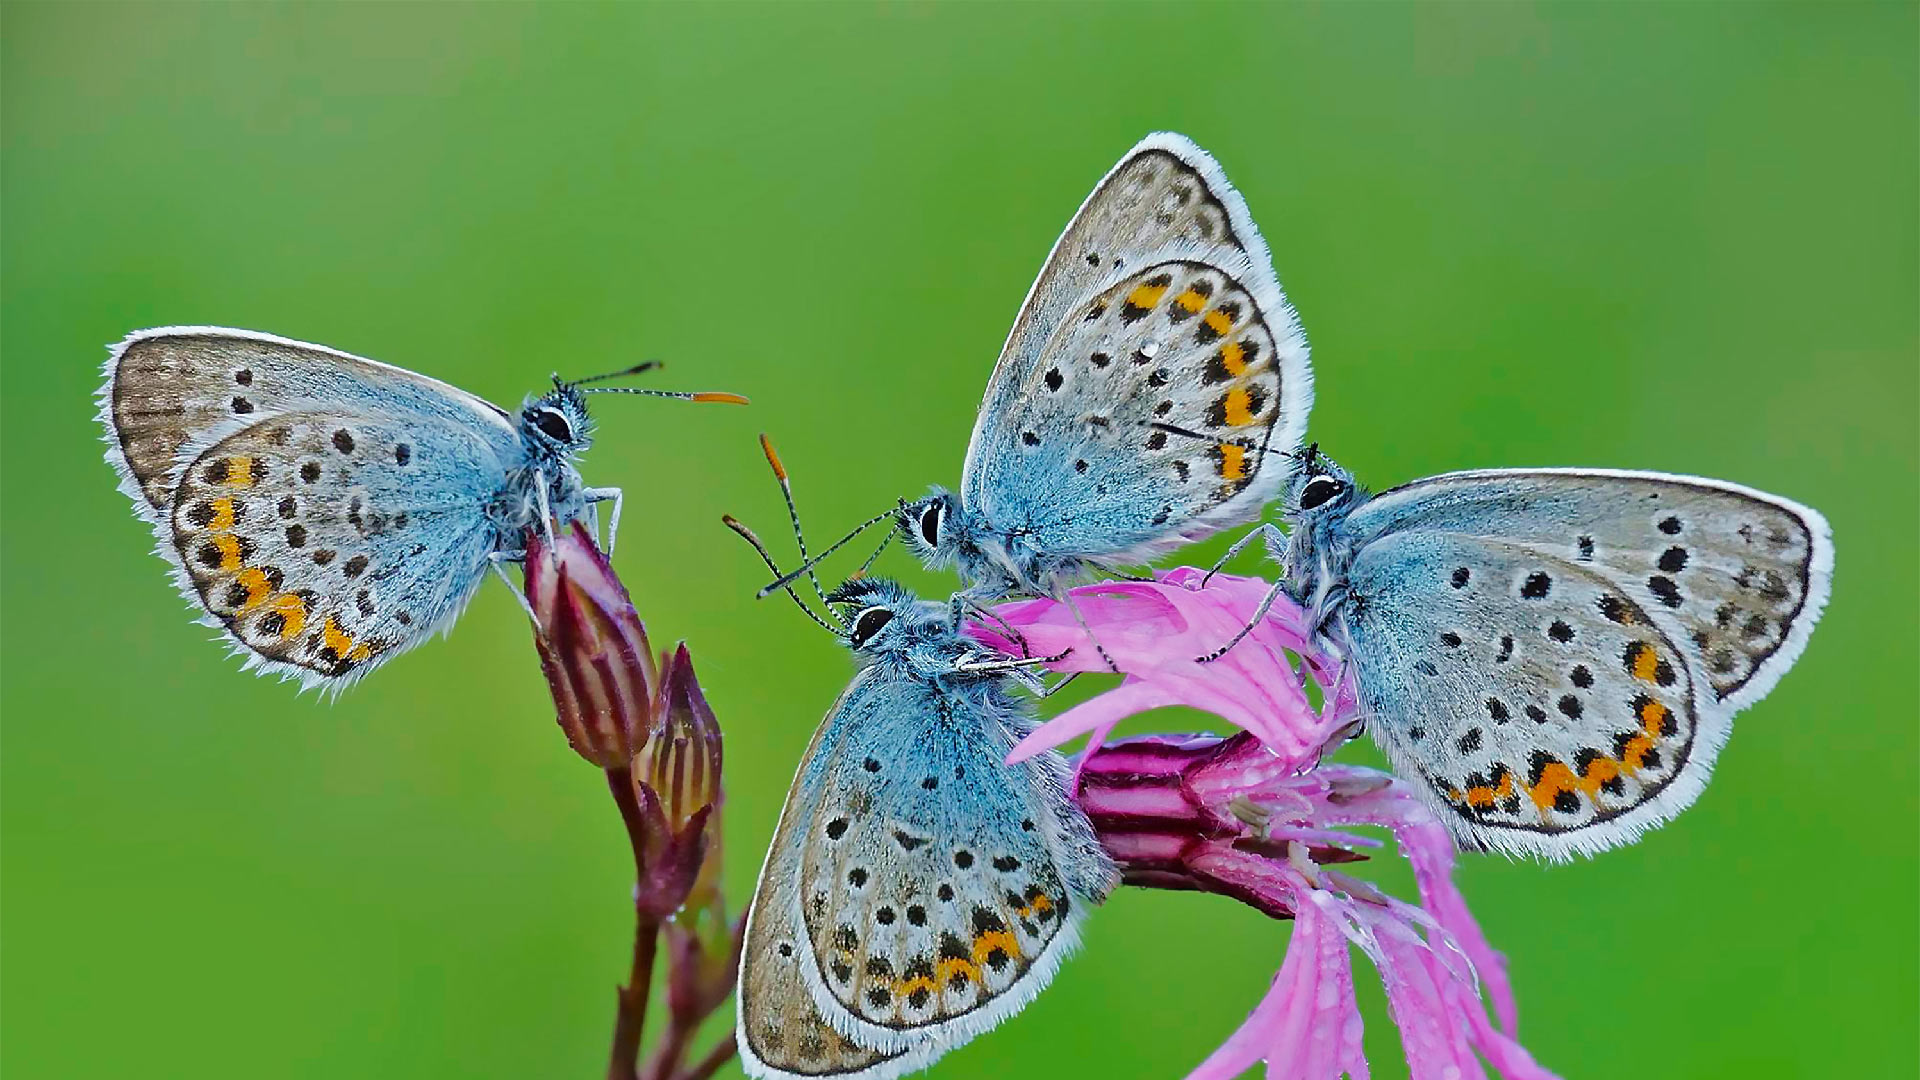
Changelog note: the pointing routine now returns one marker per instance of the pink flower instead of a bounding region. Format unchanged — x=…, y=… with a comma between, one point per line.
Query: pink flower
x=1257, y=817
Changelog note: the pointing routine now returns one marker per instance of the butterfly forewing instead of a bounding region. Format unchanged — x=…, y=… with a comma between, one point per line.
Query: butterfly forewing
x=323, y=544
x=1157, y=305
x=1559, y=653
x=780, y=1029
x=931, y=892
x=1738, y=577
x=917, y=890
x=172, y=391
x=1538, y=706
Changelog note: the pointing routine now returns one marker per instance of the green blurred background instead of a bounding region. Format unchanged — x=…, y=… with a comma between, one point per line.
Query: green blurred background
x=1655, y=236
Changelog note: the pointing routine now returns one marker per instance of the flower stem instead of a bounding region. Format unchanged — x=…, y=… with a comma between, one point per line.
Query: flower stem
x=721, y=1053
x=630, y=1016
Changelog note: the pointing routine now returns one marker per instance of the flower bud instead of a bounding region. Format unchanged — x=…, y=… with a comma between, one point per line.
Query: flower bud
x=593, y=647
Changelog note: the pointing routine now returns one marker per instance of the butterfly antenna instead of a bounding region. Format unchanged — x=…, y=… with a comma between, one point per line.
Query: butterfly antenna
x=792, y=576
x=873, y=558
x=747, y=534
x=703, y=397
x=1175, y=429
x=793, y=515
x=642, y=366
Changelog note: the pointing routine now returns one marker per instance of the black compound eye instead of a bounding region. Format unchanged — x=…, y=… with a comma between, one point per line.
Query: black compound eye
x=870, y=622
x=1319, y=490
x=553, y=426
x=930, y=525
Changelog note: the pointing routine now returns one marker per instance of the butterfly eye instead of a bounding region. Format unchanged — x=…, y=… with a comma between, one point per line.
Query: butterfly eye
x=868, y=623
x=930, y=525
x=553, y=426
x=1319, y=490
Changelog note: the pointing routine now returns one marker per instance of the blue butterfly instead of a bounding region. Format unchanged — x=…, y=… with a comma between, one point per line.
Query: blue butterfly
x=918, y=890
x=1152, y=369
x=326, y=512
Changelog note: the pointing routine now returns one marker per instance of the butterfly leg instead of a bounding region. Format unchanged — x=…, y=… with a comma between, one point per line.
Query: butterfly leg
x=1013, y=634
x=546, y=512
x=977, y=666
x=1265, y=530
x=1046, y=692
x=1097, y=647
x=1266, y=603
x=595, y=496
x=494, y=563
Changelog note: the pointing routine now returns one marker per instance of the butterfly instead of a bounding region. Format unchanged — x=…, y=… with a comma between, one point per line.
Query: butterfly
x=1555, y=656
x=918, y=890
x=326, y=512
x=1153, y=366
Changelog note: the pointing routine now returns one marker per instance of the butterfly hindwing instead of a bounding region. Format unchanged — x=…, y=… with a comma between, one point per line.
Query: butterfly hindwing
x=169, y=392
x=1158, y=305
x=1537, y=705
x=324, y=544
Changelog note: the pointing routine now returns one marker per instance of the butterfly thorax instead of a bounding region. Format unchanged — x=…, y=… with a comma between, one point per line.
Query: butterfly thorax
x=1320, y=547
x=553, y=429
x=994, y=559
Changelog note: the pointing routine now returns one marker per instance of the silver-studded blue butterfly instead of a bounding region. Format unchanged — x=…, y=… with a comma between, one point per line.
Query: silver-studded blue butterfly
x=1153, y=366
x=1555, y=656
x=326, y=512
x=918, y=890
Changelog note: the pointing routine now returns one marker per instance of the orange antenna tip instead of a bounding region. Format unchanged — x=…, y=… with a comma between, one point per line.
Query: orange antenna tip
x=773, y=459
x=719, y=397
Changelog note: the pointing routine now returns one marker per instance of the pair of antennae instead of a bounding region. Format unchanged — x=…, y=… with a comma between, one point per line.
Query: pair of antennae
x=786, y=581
x=702, y=397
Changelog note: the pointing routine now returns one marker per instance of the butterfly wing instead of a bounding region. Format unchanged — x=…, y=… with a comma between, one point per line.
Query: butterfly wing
x=927, y=891
x=779, y=1029
x=172, y=391
x=321, y=545
x=1560, y=654
x=1737, y=576
x=1157, y=305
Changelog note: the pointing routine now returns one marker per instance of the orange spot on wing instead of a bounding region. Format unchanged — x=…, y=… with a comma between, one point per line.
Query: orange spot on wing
x=1653, y=717
x=1633, y=757
x=239, y=472
x=229, y=551
x=1646, y=662
x=222, y=514
x=1238, y=407
x=335, y=638
x=293, y=610
x=1554, y=779
x=1233, y=461
x=1218, y=321
x=905, y=987
x=990, y=940
x=1486, y=797
x=950, y=966
x=1193, y=300
x=1233, y=356
x=1146, y=296
x=254, y=580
